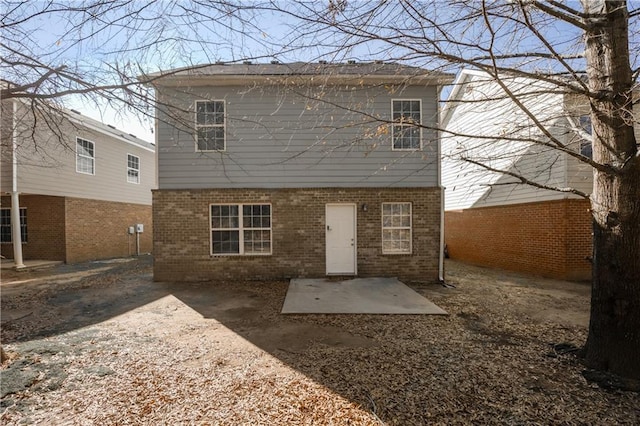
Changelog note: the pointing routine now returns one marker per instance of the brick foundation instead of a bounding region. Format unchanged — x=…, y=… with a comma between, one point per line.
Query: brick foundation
x=182, y=240
x=76, y=230
x=551, y=239
x=98, y=229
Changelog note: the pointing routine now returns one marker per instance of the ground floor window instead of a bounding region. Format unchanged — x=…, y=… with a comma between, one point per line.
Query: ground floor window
x=5, y=225
x=396, y=228
x=240, y=229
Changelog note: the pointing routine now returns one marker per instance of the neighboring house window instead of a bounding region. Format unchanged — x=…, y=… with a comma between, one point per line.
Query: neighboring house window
x=406, y=115
x=210, y=132
x=240, y=229
x=5, y=225
x=85, y=157
x=133, y=169
x=396, y=228
x=586, y=148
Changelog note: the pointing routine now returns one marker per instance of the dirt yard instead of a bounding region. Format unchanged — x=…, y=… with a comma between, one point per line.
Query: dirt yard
x=101, y=343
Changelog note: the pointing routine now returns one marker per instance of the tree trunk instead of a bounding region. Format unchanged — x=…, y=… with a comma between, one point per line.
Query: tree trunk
x=613, y=344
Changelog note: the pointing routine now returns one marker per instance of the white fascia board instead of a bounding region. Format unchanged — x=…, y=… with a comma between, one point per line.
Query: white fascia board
x=455, y=94
x=84, y=123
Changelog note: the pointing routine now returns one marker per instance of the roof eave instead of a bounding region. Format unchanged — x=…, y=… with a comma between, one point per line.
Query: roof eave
x=172, y=80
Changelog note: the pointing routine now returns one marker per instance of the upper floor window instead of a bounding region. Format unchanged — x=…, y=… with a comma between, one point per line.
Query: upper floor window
x=210, y=123
x=5, y=225
x=85, y=157
x=133, y=169
x=406, y=115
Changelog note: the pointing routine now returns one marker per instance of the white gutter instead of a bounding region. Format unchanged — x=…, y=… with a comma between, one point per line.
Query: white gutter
x=16, y=235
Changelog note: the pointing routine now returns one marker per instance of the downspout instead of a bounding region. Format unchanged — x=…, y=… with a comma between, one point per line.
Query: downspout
x=15, y=198
x=441, y=251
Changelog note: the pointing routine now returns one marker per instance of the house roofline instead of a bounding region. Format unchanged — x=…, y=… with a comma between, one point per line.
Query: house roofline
x=296, y=73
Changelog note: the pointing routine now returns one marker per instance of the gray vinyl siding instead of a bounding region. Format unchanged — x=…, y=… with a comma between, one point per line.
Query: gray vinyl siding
x=285, y=138
x=47, y=165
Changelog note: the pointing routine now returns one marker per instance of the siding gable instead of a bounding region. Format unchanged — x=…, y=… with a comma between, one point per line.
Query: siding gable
x=479, y=123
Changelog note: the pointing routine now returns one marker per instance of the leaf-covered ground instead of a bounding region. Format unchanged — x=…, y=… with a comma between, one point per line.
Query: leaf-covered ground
x=103, y=344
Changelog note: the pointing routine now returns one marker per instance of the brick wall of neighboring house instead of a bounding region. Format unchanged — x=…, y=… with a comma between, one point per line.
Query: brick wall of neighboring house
x=99, y=229
x=551, y=239
x=45, y=227
x=76, y=229
x=182, y=234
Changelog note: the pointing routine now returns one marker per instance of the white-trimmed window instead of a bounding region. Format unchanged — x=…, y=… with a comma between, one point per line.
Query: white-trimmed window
x=396, y=228
x=5, y=225
x=133, y=169
x=210, y=126
x=406, y=131
x=240, y=229
x=586, y=147
x=85, y=157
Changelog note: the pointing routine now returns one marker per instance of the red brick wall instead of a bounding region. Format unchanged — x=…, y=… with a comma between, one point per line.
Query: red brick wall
x=98, y=229
x=94, y=229
x=182, y=240
x=551, y=239
x=45, y=228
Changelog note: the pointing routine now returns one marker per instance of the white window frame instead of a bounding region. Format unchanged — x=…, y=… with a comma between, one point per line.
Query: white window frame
x=394, y=124
x=129, y=168
x=199, y=126
x=410, y=228
x=241, y=229
x=92, y=158
x=24, y=230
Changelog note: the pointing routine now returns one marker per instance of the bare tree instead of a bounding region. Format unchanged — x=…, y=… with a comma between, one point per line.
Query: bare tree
x=588, y=50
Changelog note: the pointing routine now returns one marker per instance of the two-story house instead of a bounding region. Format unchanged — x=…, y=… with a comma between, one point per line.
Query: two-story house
x=297, y=170
x=80, y=186
x=494, y=219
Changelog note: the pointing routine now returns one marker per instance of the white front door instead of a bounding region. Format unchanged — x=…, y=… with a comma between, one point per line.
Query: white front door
x=341, y=239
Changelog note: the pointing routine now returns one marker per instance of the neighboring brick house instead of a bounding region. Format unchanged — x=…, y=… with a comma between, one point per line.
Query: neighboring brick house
x=297, y=170
x=81, y=185
x=491, y=219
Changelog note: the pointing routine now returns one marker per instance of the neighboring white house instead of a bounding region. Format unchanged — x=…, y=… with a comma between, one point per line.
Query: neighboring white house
x=492, y=218
x=80, y=185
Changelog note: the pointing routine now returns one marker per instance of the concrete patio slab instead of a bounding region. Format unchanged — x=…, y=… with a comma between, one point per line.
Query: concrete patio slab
x=356, y=296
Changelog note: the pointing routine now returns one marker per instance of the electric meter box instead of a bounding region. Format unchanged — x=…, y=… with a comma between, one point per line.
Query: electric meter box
x=139, y=228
